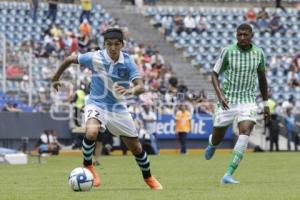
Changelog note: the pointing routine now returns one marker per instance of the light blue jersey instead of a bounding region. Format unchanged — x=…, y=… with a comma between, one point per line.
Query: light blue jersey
x=106, y=74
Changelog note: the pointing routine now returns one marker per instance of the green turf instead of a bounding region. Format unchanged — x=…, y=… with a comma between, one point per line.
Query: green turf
x=263, y=176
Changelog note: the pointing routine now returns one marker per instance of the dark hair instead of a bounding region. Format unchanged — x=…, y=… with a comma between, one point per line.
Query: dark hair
x=245, y=26
x=113, y=33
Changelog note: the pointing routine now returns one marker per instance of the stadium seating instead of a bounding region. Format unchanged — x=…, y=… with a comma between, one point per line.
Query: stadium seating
x=18, y=27
x=202, y=49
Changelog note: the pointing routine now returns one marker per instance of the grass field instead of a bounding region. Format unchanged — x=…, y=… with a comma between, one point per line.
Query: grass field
x=262, y=175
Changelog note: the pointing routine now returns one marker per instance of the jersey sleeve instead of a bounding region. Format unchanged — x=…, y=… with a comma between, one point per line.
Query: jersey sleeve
x=262, y=62
x=133, y=70
x=86, y=60
x=222, y=61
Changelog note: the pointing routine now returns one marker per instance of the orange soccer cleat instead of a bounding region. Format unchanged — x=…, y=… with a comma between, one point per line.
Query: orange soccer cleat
x=96, y=182
x=153, y=183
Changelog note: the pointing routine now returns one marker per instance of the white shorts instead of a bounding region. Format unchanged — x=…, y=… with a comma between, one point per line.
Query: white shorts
x=239, y=112
x=119, y=124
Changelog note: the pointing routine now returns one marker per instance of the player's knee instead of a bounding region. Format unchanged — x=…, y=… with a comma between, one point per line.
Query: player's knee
x=245, y=132
x=91, y=134
x=137, y=149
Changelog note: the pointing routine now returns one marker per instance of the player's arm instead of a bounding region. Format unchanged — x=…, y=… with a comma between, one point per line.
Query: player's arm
x=66, y=63
x=137, y=89
x=263, y=86
x=219, y=67
x=219, y=93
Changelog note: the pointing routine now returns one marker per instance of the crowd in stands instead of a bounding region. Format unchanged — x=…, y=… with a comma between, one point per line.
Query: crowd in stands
x=57, y=42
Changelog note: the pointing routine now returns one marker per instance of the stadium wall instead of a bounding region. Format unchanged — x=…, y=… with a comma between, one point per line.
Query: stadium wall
x=15, y=127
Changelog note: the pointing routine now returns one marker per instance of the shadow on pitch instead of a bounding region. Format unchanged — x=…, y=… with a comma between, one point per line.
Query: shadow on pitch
x=120, y=189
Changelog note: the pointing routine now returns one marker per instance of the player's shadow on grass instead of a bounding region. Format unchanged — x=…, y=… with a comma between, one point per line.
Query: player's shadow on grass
x=121, y=189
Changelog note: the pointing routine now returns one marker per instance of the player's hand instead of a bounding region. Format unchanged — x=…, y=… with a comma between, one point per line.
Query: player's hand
x=121, y=90
x=55, y=83
x=224, y=102
x=267, y=114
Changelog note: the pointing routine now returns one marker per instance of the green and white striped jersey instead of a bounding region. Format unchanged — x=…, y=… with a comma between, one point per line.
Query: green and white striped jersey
x=239, y=68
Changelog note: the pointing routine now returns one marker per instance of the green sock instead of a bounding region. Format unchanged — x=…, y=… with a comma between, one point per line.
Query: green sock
x=237, y=156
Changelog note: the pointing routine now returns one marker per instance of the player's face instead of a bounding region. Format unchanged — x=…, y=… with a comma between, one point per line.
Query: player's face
x=244, y=37
x=113, y=47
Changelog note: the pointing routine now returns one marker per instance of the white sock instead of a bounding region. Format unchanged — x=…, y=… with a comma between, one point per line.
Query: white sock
x=209, y=140
x=242, y=143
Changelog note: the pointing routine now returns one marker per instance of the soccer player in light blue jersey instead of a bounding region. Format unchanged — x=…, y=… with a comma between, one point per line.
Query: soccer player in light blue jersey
x=112, y=73
x=241, y=64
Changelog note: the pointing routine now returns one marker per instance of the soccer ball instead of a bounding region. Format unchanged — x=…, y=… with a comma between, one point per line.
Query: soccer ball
x=80, y=179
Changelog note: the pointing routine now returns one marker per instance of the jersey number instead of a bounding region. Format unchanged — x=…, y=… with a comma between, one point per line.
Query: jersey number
x=93, y=113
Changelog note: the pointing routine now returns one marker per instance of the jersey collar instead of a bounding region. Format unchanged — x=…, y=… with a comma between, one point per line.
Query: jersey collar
x=237, y=46
x=121, y=58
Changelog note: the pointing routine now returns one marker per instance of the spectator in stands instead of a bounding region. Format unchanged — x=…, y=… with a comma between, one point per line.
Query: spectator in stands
x=275, y=64
x=167, y=25
x=52, y=10
x=83, y=43
x=275, y=25
x=182, y=89
x=138, y=56
x=85, y=28
x=103, y=27
x=157, y=58
x=189, y=24
x=78, y=101
x=149, y=123
x=296, y=61
x=71, y=43
x=274, y=128
x=178, y=23
x=86, y=6
x=285, y=63
x=48, y=46
x=56, y=31
x=48, y=143
x=287, y=104
x=263, y=23
x=173, y=82
x=201, y=25
x=290, y=124
x=34, y=4
x=183, y=126
x=24, y=85
x=271, y=103
x=293, y=77
x=11, y=107
x=263, y=14
x=203, y=106
x=251, y=17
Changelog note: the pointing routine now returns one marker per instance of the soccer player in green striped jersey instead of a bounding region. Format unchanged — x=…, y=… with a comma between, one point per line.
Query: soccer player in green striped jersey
x=241, y=64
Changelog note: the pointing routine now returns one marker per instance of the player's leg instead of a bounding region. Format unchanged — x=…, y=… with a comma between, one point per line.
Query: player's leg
x=221, y=120
x=214, y=140
x=98, y=150
x=134, y=145
x=88, y=147
x=245, y=128
x=122, y=124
